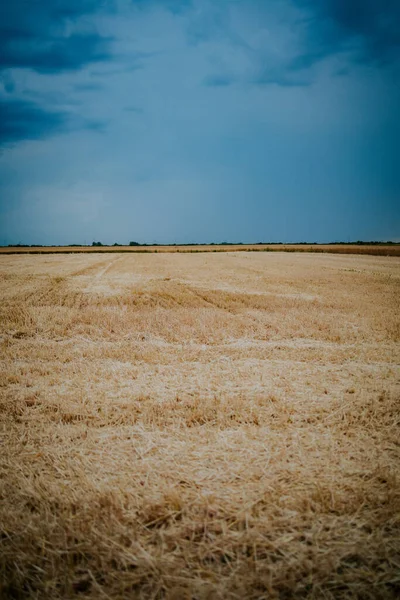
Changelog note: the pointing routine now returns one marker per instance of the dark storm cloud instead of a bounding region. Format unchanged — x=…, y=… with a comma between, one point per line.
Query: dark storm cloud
x=52, y=55
x=369, y=30
x=37, y=35
x=355, y=31
x=48, y=37
x=27, y=120
x=21, y=120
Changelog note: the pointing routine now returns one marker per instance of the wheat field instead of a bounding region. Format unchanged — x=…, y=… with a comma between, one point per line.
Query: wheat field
x=377, y=249
x=199, y=426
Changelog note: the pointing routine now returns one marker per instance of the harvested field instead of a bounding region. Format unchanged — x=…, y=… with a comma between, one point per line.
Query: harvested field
x=372, y=249
x=200, y=426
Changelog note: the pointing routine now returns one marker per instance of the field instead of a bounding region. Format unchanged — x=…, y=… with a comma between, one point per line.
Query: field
x=199, y=426
x=380, y=249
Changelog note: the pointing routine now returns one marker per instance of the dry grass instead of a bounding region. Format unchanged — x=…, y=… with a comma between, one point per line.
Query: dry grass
x=199, y=426
x=371, y=249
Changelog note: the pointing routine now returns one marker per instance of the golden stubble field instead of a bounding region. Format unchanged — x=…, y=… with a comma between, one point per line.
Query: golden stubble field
x=199, y=426
x=380, y=249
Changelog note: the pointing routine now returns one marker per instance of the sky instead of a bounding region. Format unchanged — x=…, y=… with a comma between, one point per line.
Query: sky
x=178, y=121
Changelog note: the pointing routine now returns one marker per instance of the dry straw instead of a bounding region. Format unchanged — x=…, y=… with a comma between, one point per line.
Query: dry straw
x=199, y=426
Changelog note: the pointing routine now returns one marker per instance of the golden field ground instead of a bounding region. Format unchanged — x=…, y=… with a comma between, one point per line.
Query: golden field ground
x=373, y=249
x=199, y=426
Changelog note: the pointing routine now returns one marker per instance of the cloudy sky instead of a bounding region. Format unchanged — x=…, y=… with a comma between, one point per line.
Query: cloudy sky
x=199, y=120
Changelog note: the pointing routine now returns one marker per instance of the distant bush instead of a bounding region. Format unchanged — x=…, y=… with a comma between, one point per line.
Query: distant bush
x=133, y=244
x=97, y=244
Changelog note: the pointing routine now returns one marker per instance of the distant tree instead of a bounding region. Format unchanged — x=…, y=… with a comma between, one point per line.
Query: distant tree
x=97, y=244
x=134, y=244
x=116, y=244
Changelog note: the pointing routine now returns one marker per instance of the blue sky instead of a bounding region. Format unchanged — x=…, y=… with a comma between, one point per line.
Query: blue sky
x=199, y=120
